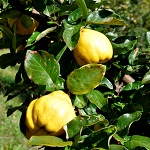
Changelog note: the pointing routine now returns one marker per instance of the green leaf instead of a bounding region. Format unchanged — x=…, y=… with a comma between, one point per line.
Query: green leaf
x=101, y=138
x=50, y=9
x=123, y=44
x=10, y=59
x=105, y=82
x=104, y=17
x=10, y=13
x=133, y=86
x=32, y=38
x=74, y=16
x=71, y=34
x=51, y=141
x=82, y=5
x=80, y=101
x=117, y=147
x=76, y=125
x=86, y=78
x=127, y=119
x=146, y=78
x=39, y=5
x=97, y=98
x=41, y=67
x=137, y=140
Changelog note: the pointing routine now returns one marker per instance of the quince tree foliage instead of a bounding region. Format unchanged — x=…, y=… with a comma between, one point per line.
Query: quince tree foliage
x=111, y=100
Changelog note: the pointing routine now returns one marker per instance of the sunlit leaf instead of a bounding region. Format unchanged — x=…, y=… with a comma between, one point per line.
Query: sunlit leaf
x=51, y=141
x=146, y=78
x=117, y=147
x=137, y=140
x=86, y=78
x=127, y=119
x=80, y=101
x=41, y=67
x=74, y=16
x=104, y=17
x=133, y=86
x=82, y=5
x=105, y=82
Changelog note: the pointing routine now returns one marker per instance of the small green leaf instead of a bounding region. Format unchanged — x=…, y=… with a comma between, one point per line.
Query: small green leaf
x=146, y=78
x=104, y=17
x=105, y=82
x=32, y=38
x=133, y=86
x=75, y=15
x=41, y=67
x=117, y=147
x=82, y=5
x=86, y=78
x=80, y=101
x=51, y=9
x=71, y=34
x=48, y=141
x=97, y=98
x=137, y=140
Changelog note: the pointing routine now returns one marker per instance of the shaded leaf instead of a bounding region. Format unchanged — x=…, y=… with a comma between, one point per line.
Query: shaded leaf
x=41, y=67
x=97, y=98
x=51, y=141
x=123, y=44
x=86, y=78
x=10, y=59
x=137, y=140
x=10, y=13
x=82, y=5
x=101, y=138
x=77, y=123
x=104, y=17
x=146, y=78
x=71, y=34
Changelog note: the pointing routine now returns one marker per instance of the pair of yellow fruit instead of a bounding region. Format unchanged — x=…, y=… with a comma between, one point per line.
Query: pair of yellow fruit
x=48, y=114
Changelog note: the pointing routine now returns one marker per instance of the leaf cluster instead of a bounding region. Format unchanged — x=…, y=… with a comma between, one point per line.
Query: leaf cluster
x=111, y=100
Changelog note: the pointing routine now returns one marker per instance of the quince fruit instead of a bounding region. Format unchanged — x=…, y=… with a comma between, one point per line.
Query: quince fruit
x=92, y=47
x=24, y=29
x=48, y=114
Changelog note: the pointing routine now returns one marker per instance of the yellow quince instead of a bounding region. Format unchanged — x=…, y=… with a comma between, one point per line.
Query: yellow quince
x=92, y=47
x=48, y=114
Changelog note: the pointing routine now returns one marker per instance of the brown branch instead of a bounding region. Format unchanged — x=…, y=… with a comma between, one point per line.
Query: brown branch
x=128, y=79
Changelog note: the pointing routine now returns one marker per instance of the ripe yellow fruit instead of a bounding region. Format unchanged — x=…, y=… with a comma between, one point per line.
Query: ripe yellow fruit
x=20, y=29
x=49, y=114
x=92, y=47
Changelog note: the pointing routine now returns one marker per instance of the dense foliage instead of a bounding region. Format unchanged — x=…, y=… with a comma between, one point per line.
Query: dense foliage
x=113, y=108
